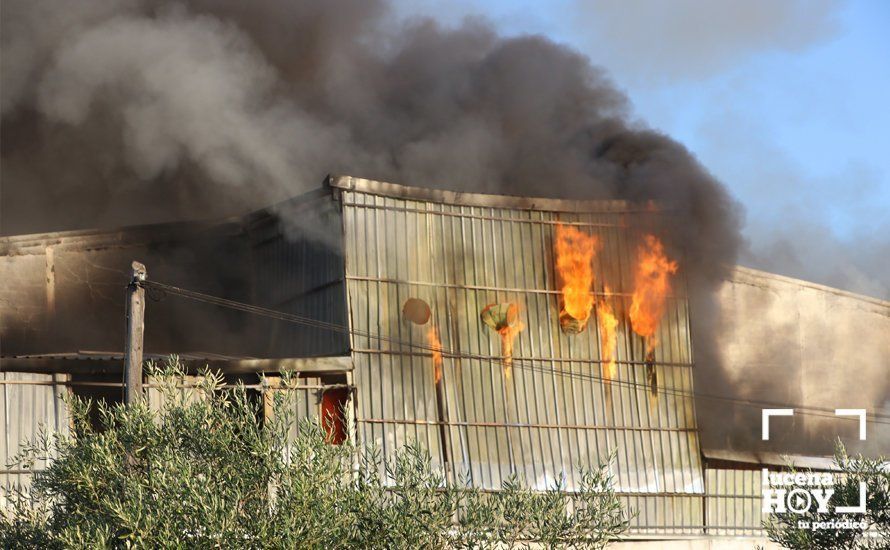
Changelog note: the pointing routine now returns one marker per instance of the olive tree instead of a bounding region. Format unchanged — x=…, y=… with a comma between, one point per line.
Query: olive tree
x=207, y=469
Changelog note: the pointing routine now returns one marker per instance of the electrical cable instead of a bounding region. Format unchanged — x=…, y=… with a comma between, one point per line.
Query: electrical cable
x=524, y=363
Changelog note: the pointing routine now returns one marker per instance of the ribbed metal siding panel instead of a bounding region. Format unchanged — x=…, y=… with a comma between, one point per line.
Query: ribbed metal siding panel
x=734, y=502
x=298, y=268
x=551, y=415
x=27, y=403
x=664, y=513
x=187, y=390
x=396, y=402
x=304, y=400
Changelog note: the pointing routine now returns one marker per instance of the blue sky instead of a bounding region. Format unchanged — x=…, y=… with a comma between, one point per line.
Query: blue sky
x=784, y=101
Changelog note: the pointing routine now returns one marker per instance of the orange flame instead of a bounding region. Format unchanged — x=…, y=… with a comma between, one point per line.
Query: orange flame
x=436, y=347
x=651, y=287
x=608, y=324
x=508, y=334
x=574, y=256
x=504, y=319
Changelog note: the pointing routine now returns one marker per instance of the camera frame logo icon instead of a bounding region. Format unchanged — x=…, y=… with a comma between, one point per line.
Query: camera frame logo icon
x=806, y=488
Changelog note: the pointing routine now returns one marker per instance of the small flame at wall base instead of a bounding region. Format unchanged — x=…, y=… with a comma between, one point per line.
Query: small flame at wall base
x=432, y=336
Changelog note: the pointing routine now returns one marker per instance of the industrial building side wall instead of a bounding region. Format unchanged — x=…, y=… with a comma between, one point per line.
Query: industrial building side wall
x=296, y=252
x=62, y=313
x=789, y=341
x=549, y=411
x=35, y=405
x=64, y=292
x=733, y=501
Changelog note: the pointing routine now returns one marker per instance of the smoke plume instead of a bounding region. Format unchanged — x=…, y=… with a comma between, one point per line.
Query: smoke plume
x=147, y=111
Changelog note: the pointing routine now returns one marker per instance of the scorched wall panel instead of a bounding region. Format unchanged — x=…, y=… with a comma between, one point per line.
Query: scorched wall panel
x=546, y=413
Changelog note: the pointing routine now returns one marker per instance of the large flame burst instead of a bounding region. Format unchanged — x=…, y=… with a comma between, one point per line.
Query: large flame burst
x=432, y=336
x=575, y=251
x=651, y=288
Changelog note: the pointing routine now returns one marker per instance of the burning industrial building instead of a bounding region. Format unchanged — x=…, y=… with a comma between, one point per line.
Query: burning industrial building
x=559, y=286
x=508, y=335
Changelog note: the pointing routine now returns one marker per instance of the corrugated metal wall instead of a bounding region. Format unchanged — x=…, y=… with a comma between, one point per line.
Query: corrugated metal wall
x=734, y=502
x=32, y=402
x=549, y=416
x=28, y=402
x=298, y=268
x=303, y=398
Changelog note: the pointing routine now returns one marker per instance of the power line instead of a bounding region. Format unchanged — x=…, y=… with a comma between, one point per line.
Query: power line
x=525, y=364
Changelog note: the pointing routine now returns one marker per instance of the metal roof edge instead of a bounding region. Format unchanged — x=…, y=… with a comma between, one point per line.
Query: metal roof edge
x=445, y=196
x=153, y=232
x=292, y=204
x=22, y=243
x=113, y=362
x=126, y=235
x=771, y=459
x=741, y=273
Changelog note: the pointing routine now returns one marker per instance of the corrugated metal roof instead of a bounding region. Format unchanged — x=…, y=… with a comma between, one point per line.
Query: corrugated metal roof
x=129, y=236
x=444, y=196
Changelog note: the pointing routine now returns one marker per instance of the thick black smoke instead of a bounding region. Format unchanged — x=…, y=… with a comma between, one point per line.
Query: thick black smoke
x=134, y=112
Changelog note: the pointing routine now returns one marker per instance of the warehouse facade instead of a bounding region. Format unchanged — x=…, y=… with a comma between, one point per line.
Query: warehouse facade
x=546, y=413
x=450, y=335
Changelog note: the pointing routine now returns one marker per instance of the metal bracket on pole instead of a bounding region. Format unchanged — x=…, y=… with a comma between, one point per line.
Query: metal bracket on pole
x=135, y=332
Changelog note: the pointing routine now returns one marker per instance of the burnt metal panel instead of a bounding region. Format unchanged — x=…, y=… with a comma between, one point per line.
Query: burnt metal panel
x=547, y=416
x=64, y=292
x=81, y=306
x=297, y=256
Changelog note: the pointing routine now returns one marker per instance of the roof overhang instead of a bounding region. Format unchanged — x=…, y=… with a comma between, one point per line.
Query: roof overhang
x=111, y=363
x=745, y=460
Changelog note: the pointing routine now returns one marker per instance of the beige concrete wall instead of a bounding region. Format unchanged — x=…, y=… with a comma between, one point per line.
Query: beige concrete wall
x=792, y=341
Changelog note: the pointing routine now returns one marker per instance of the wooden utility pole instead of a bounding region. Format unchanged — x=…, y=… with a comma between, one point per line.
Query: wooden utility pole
x=135, y=331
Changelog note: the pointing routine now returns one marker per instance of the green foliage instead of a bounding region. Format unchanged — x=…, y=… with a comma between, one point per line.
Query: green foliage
x=786, y=528
x=205, y=470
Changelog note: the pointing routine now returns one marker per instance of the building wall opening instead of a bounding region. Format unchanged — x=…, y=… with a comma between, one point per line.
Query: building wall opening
x=333, y=411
